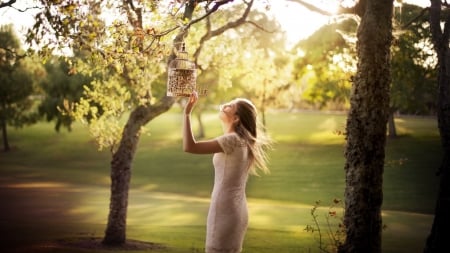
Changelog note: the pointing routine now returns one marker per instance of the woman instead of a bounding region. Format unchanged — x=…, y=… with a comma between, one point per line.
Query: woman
x=238, y=152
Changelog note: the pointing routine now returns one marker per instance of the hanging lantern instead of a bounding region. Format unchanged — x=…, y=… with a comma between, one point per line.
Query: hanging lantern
x=182, y=76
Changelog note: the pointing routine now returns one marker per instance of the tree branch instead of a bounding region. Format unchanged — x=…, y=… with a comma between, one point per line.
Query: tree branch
x=311, y=7
x=10, y=4
x=213, y=9
x=208, y=13
x=7, y=4
x=435, y=27
x=230, y=25
x=421, y=14
x=358, y=8
x=259, y=27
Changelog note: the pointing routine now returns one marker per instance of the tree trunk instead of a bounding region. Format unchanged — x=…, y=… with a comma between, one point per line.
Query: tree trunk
x=201, y=127
x=6, y=147
x=121, y=169
x=366, y=130
x=392, y=131
x=437, y=241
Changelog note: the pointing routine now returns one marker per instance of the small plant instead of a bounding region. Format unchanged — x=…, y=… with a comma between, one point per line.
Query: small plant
x=331, y=234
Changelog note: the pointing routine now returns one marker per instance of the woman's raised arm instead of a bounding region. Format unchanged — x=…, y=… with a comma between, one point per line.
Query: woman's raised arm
x=190, y=145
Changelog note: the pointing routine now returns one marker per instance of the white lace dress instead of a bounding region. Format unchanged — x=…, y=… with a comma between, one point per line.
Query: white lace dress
x=227, y=217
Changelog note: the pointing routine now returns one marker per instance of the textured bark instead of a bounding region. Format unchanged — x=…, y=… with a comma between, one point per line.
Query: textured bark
x=437, y=241
x=366, y=130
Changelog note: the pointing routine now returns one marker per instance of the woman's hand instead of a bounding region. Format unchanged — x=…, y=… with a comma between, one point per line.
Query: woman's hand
x=191, y=103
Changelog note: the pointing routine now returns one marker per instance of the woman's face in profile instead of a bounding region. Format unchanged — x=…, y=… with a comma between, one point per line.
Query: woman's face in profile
x=227, y=112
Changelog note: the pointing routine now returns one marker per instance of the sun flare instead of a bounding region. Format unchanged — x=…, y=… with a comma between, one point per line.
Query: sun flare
x=299, y=22
x=296, y=20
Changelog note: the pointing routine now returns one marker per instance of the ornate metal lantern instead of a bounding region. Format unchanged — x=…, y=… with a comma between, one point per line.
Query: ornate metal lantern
x=182, y=76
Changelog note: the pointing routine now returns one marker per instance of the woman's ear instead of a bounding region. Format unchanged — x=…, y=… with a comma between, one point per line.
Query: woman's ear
x=236, y=119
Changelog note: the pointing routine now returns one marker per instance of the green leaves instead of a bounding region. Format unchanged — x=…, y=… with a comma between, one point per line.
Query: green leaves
x=102, y=108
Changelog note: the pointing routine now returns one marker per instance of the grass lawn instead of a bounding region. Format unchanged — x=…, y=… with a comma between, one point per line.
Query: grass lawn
x=56, y=185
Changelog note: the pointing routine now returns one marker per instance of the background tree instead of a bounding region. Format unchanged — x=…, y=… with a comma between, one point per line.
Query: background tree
x=232, y=69
x=17, y=83
x=222, y=67
x=438, y=239
x=265, y=72
x=325, y=64
x=253, y=63
x=62, y=84
x=413, y=90
x=267, y=81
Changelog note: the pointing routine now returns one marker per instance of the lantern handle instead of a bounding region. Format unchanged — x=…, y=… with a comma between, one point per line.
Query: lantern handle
x=177, y=48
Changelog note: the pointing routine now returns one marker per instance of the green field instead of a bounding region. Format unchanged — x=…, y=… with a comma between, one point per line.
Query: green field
x=56, y=185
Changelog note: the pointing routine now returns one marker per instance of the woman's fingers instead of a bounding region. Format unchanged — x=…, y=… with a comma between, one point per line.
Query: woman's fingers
x=192, y=101
x=194, y=97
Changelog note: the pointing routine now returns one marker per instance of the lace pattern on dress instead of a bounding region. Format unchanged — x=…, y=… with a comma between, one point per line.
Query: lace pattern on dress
x=213, y=250
x=230, y=141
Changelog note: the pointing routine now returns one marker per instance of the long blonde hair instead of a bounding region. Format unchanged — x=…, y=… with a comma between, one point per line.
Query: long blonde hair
x=250, y=129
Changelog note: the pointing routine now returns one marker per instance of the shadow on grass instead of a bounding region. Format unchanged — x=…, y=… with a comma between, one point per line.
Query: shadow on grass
x=90, y=244
x=44, y=217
